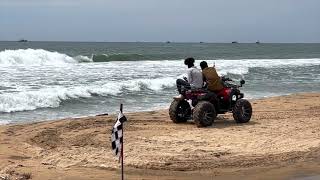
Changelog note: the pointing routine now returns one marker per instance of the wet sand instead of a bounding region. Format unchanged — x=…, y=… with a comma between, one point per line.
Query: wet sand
x=282, y=141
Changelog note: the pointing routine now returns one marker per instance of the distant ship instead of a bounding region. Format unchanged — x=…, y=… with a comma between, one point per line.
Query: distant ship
x=258, y=42
x=168, y=42
x=234, y=42
x=23, y=40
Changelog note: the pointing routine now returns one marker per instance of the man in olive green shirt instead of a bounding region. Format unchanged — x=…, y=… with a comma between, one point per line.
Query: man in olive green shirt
x=210, y=76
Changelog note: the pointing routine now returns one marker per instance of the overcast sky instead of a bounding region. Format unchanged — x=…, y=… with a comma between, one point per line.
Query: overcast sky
x=161, y=20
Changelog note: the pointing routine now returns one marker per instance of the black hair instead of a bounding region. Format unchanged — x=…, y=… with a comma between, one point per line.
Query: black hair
x=189, y=61
x=203, y=64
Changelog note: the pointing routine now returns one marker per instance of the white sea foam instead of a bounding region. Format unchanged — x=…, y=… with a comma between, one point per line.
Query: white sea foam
x=153, y=84
x=242, y=66
x=3, y=122
x=53, y=97
x=46, y=98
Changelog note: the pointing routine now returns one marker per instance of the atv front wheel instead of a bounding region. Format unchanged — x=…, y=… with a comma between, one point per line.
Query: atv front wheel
x=242, y=111
x=179, y=111
x=204, y=114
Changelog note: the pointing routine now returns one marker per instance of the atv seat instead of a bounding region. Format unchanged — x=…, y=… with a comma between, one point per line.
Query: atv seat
x=194, y=93
x=197, y=91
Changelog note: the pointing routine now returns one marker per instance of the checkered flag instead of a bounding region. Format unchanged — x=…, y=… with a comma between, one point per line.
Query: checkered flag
x=117, y=135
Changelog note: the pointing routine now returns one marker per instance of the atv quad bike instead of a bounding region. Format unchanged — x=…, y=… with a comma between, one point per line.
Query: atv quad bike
x=208, y=104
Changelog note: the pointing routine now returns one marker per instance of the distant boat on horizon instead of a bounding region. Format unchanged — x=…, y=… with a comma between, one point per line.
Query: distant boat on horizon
x=23, y=40
x=168, y=42
x=234, y=42
x=258, y=42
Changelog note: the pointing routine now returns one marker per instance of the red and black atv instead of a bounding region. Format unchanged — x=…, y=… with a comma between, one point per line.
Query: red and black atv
x=208, y=104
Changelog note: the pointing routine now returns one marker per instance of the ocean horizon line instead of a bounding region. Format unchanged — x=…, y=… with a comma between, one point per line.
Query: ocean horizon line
x=165, y=42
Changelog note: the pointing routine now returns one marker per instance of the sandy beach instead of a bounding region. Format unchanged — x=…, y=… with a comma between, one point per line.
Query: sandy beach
x=281, y=141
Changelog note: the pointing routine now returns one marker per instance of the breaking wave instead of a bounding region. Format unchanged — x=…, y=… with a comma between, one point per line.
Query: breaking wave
x=44, y=57
x=33, y=57
x=53, y=97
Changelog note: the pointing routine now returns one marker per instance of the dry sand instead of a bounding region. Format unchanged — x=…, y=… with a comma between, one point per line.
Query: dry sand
x=282, y=140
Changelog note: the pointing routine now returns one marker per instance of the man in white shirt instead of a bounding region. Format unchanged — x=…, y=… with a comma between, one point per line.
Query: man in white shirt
x=194, y=79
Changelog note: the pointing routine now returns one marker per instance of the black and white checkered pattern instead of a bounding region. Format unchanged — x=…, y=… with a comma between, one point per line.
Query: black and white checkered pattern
x=117, y=135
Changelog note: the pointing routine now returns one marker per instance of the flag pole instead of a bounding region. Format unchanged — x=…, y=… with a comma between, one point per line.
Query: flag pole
x=122, y=174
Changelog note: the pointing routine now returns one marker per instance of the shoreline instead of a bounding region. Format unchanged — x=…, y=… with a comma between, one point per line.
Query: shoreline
x=151, y=110
x=281, y=141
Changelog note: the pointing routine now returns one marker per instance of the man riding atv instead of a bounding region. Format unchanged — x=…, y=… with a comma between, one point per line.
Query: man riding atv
x=209, y=102
x=210, y=76
x=192, y=81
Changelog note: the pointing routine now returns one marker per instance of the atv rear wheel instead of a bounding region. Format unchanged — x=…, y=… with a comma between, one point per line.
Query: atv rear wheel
x=204, y=114
x=179, y=111
x=242, y=111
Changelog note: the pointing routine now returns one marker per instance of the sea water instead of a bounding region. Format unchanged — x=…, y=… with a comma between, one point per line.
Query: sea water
x=52, y=80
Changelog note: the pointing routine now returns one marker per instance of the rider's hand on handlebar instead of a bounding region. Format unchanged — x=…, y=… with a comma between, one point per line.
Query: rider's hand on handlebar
x=223, y=78
x=185, y=78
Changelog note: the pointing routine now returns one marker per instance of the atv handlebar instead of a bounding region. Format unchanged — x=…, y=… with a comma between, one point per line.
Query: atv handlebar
x=227, y=84
x=224, y=79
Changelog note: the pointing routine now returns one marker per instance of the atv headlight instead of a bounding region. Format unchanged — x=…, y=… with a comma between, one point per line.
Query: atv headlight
x=234, y=98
